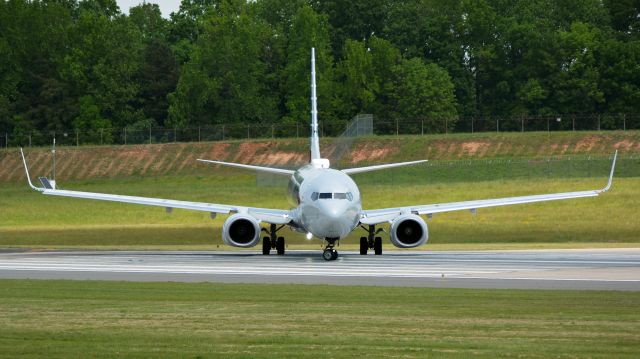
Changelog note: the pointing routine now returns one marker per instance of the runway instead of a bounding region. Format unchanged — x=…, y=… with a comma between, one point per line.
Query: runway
x=592, y=269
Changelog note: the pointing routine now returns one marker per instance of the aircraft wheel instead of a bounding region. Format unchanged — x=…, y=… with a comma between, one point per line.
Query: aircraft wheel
x=364, y=246
x=335, y=255
x=328, y=254
x=266, y=246
x=280, y=245
x=377, y=246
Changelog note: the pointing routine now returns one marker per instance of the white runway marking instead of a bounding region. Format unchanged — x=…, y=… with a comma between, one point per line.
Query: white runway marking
x=393, y=268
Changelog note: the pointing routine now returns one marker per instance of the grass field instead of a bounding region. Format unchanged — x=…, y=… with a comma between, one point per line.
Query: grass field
x=33, y=220
x=113, y=319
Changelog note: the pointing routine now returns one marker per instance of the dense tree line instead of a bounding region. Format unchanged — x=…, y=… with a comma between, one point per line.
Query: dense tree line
x=67, y=64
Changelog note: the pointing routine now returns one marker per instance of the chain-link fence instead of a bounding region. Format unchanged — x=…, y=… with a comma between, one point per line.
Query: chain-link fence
x=379, y=126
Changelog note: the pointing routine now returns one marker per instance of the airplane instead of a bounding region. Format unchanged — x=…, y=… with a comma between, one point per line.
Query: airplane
x=326, y=204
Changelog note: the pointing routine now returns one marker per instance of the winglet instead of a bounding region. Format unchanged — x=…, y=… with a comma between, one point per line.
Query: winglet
x=613, y=167
x=26, y=169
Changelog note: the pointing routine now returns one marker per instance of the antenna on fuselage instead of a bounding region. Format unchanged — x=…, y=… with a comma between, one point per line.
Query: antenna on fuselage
x=315, y=140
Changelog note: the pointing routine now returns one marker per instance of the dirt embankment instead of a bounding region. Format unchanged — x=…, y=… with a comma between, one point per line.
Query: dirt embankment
x=180, y=158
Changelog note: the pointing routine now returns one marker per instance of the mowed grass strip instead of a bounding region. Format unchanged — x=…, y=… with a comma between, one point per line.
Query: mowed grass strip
x=117, y=319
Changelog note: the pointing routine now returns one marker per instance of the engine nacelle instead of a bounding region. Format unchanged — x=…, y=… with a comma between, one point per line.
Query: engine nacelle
x=241, y=230
x=409, y=231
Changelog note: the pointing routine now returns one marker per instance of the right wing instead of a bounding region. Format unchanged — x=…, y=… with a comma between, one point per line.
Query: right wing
x=377, y=216
x=275, y=216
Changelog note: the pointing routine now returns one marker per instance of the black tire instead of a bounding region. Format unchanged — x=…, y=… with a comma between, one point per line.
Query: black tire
x=280, y=245
x=334, y=254
x=377, y=245
x=327, y=255
x=266, y=246
x=364, y=246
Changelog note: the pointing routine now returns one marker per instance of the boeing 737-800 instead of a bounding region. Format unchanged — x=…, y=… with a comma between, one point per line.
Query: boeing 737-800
x=326, y=204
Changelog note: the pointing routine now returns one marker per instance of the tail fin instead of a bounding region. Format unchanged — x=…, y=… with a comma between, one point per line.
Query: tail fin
x=315, y=140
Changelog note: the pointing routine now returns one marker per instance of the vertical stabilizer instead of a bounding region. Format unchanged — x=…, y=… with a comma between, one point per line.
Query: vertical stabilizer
x=315, y=140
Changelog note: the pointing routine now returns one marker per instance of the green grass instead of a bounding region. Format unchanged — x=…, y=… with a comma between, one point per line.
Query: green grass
x=33, y=220
x=115, y=319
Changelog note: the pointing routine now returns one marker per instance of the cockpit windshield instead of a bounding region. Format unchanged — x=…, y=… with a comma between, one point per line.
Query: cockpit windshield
x=328, y=195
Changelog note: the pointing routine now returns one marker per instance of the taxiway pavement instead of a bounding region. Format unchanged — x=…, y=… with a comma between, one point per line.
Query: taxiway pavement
x=590, y=269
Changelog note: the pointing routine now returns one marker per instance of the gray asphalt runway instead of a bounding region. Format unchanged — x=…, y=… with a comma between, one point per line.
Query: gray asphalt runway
x=593, y=269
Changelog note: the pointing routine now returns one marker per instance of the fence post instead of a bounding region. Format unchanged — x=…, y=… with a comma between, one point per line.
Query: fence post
x=272, y=131
x=422, y=127
x=297, y=129
x=77, y=138
x=573, y=123
x=624, y=122
x=472, y=124
x=100, y=137
x=397, y=125
x=6, y=140
x=248, y=126
x=598, y=122
x=175, y=135
x=198, y=133
x=522, y=124
x=29, y=138
x=446, y=126
x=497, y=125
x=223, y=132
x=149, y=134
x=125, y=135
x=548, y=130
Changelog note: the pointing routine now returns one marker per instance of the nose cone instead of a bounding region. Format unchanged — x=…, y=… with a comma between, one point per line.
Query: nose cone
x=331, y=219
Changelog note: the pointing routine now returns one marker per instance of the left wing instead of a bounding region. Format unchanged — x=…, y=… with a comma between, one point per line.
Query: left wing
x=377, y=216
x=275, y=216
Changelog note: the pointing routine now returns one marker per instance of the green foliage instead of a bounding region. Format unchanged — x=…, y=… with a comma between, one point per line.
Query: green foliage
x=234, y=61
x=309, y=29
x=425, y=92
x=226, y=81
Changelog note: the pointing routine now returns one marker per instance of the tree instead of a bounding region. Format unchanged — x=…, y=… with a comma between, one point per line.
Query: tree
x=226, y=80
x=356, y=20
x=103, y=60
x=310, y=29
x=359, y=84
x=425, y=92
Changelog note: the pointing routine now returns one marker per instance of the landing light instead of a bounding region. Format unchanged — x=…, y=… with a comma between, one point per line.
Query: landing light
x=309, y=235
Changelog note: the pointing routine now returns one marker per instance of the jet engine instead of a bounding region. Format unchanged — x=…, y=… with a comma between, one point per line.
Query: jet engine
x=241, y=230
x=409, y=231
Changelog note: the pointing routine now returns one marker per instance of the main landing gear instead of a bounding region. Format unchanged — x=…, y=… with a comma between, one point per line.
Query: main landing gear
x=371, y=242
x=330, y=254
x=273, y=241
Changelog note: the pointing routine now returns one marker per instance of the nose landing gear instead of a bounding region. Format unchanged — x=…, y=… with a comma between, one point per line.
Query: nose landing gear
x=330, y=254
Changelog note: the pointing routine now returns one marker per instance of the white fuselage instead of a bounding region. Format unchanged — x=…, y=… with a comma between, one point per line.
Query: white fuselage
x=328, y=202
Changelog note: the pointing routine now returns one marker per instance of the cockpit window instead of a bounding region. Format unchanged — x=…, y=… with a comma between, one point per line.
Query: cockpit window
x=329, y=195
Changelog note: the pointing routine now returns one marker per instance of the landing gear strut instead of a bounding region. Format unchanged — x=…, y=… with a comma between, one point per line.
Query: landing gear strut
x=371, y=242
x=273, y=241
x=330, y=254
